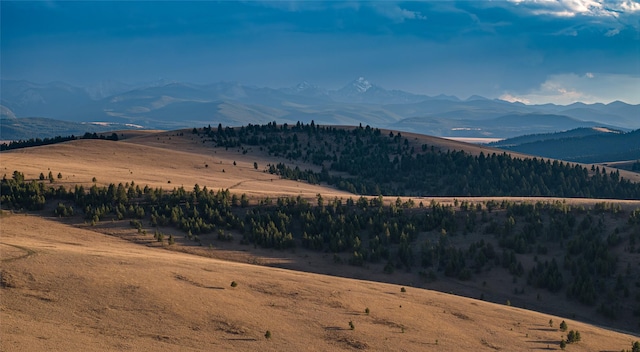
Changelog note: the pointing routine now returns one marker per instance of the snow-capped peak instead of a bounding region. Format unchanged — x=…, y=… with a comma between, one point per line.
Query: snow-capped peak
x=362, y=85
x=304, y=85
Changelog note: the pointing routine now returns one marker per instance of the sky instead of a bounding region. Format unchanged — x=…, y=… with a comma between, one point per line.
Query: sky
x=536, y=51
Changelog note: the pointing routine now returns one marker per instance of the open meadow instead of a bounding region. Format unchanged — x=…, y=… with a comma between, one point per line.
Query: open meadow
x=72, y=284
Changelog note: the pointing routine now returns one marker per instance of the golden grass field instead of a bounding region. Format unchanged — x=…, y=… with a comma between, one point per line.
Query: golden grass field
x=71, y=287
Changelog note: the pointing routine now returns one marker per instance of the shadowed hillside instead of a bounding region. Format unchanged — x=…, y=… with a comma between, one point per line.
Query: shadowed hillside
x=66, y=288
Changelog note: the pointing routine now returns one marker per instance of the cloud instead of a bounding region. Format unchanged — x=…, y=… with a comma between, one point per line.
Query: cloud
x=630, y=6
x=512, y=99
x=612, y=32
x=572, y=8
x=566, y=89
x=395, y=12
x=454, y=47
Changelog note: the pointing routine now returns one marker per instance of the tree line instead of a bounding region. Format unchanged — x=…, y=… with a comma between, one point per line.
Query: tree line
x=363, y=160
x=401, y=235
x=35, y=142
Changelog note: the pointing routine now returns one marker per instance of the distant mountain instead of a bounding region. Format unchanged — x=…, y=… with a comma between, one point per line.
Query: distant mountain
x=361, y=90
x=603, y=145
x=307, y=89
x=6, y=113
x=511, y=125
x=54, y=100
x=481, y=109
x=615, y=113
x=108, y=88
x=170, y=104
x=38, y=127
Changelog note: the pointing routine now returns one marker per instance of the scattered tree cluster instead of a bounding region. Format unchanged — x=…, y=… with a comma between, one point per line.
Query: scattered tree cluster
x=34, y=142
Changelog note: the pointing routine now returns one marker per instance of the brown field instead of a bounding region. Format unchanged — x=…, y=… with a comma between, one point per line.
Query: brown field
x=66, y=289
x=71, y=287
x=167, y=160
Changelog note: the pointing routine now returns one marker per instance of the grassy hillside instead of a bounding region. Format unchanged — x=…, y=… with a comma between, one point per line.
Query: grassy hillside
x=437, y=243
x=66, y=288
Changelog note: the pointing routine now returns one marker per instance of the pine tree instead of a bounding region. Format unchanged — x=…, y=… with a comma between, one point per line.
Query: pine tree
x=563, y=326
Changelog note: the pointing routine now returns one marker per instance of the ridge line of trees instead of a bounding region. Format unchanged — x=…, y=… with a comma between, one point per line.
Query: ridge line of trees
x=35, y=142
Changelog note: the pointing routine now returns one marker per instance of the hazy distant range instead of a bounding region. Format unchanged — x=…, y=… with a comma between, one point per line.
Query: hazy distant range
x=43, y=110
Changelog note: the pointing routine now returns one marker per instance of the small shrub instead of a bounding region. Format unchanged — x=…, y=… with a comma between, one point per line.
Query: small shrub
x=563, y=345
x=367, y=311
x=550, y=323
x=234, y=284
x=563, y=326
x=267, y=335
x=402, y=289
x=351, y=325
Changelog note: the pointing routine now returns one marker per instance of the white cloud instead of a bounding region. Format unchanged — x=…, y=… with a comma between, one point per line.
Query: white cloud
x=572, y=8
x=512, y=99
x=630, y=6
x=612, y=32
x=566, y=89
x=395, y=12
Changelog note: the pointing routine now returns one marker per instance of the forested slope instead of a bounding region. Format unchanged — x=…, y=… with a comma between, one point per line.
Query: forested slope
x=363, y=160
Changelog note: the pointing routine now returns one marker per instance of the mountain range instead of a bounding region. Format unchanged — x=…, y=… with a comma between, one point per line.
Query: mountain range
x=167, y=104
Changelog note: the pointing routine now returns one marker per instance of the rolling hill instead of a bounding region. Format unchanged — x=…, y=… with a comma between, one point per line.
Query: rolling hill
x=595, y=145
x=173, y=160
x=69, y=288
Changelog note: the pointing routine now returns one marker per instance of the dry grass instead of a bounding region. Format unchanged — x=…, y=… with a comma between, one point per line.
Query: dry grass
x=66, y=289
x=179, y=163
x=167, y=160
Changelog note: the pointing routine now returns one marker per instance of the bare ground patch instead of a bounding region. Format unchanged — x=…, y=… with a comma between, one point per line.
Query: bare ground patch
x=195, y=283
x=228, y=327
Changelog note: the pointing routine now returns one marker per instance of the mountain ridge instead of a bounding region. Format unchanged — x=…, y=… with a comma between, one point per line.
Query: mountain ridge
x=155, y=105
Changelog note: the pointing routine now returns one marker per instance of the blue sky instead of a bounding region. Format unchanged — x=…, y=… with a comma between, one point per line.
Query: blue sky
x=532, y=51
